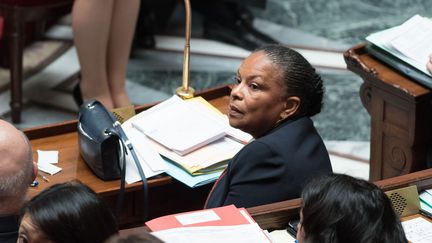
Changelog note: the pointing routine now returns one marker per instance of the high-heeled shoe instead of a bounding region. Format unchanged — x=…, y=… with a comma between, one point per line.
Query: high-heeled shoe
x=77, y=96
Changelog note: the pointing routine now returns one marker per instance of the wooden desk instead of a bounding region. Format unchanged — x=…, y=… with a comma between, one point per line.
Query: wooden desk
x=275, y=216
x=166, y=196
x=401, y=116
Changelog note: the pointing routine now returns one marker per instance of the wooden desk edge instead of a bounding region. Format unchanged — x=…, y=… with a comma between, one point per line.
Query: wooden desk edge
x=357, y=59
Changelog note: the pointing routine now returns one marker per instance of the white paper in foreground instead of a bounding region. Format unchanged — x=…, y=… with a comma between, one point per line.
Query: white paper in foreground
x=418, y=230
x=247, y=233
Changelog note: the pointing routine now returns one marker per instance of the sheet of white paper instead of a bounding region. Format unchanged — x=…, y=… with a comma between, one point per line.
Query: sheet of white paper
x=197, y=217
x=48, y=168
x=418, y=230
x=151, y=162
x=48, y=156
x=220, y=150
x=416, y=41
x=247, y=233
x=281, y=236
x=178, y=127
x=221, y=119
x=382, y=39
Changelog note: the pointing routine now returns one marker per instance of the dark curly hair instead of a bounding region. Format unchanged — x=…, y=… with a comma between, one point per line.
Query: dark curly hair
x=299, y=77
x=340, y=208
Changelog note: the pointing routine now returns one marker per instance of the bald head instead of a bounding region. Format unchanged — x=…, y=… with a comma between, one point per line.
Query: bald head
x=16, y=167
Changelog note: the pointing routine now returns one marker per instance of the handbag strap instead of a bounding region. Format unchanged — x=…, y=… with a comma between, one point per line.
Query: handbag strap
x=122, y=161
x=127, y=146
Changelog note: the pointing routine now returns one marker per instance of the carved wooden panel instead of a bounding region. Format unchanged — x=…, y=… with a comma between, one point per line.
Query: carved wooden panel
x=400, y=111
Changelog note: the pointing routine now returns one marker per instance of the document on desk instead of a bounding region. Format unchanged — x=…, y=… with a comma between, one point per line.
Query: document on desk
x=207, y=109
x=178, y=127
x=281, y=236
x=222, y=224
x=213, y=154
x=220, y=216
x=211, y=158
x=150, y=160
x=246, y=233
x=415, y=39
x=418, y=230
x=409, y=42
x=186, y=178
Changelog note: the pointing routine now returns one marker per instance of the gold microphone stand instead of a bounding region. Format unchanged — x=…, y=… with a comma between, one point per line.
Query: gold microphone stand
x=186, y=92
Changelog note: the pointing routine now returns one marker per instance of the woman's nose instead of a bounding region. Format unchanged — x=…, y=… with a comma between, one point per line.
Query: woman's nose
x=236, y=92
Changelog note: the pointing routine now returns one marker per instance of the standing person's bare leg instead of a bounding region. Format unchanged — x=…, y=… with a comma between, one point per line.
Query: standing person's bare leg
x=91, y=22
x=125, y=14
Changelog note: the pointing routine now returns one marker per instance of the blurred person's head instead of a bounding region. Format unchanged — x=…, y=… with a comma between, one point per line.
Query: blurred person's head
x=67, y=212
x=340, y=208
x=17, y=169
x=142, y=237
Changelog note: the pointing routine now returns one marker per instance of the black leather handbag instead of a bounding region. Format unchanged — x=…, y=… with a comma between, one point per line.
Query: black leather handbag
x=99, y=143
x=104, y=145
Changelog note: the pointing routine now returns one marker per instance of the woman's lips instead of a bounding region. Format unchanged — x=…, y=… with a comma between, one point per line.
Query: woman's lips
x=234, y=111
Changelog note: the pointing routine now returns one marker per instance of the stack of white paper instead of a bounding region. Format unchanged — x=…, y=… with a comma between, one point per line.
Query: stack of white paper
x=151, y=162
x=410, y=42
x=188, y=136
x=177, y=126
x=415, y=39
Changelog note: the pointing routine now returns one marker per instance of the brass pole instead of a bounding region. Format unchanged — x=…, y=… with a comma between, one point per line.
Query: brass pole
x=185, y=91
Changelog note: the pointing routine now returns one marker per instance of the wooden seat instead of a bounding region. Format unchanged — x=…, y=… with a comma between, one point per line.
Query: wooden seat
x=16, y=13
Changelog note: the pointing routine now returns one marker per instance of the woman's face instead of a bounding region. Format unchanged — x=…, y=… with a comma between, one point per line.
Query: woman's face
x=258, y=98
x=30, y=233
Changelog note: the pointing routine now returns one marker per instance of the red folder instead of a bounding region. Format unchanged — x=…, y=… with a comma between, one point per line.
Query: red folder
x=222, y=216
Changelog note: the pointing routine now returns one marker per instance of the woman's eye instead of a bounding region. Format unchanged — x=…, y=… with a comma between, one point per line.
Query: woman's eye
x=253, y=86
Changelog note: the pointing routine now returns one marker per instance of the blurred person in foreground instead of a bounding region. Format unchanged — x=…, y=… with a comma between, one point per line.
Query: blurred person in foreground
x=66, y=213
x=17, y=171
x=340, y=208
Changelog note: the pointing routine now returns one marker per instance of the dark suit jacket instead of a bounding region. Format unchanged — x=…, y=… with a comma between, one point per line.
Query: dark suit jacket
x=274, y=167
x=9, y=229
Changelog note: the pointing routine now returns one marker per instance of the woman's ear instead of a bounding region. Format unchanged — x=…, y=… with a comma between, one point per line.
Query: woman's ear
x=292, y=104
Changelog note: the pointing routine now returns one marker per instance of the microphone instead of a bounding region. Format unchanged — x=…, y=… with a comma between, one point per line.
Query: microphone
x=184, y=91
